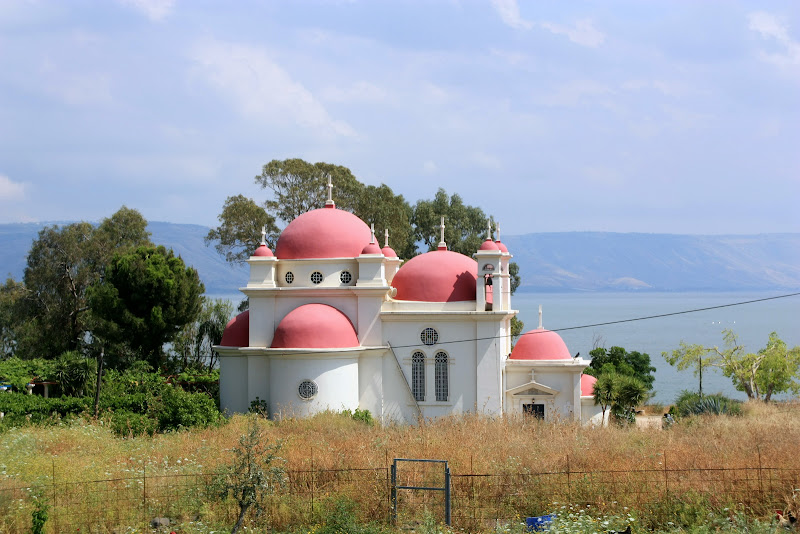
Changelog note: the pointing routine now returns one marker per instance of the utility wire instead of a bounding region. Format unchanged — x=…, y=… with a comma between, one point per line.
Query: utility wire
x=694, y=310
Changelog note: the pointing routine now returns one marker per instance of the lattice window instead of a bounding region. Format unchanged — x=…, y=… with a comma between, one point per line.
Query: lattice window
x=441, y=375
x=307, y=389
x=289, y=277
x=418, y=376
x=316, y=277
x=429, y=336
x=346, y=277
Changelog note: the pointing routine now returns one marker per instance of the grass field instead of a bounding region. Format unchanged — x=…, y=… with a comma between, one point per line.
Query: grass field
x=512, y=453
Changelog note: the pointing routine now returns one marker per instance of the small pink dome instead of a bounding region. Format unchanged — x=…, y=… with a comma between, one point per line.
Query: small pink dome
x=587, y=385
x=488, y=245
x=437, y=276
x=323, y=233
x=315, y=326
x=389, y=252
x=237, y=331
x=501, y=246
x=371, y=248
x=263, y=250
x=540, y=344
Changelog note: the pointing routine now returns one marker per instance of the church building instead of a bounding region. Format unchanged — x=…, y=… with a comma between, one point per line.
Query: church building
x=336, y=322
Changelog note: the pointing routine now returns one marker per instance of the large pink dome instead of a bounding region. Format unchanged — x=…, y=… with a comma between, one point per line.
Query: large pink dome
x=323, y=233
x=437, y=276
x=315, y=326
x=237, y=331
x=540, y=344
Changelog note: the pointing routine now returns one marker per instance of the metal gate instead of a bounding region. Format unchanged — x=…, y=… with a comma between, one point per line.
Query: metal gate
x=420, y=484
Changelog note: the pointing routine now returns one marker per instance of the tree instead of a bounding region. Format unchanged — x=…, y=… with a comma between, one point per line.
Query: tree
x=62, y=263
x=239, y=232
x=297, y=187
x=255, y=473
x=147, y=296
x=464, y=226
x=774, y=369
x=618, y=360
x=193, y=346
x=619, y=393
x=11, y=296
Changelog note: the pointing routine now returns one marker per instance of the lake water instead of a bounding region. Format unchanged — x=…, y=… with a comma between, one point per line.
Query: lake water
x=752, y=322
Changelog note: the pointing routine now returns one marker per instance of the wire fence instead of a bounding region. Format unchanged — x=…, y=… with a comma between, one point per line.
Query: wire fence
x=479, y=500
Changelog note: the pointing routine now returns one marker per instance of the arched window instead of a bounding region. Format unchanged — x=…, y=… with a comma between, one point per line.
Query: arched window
x=442, y=378
x=418, y=376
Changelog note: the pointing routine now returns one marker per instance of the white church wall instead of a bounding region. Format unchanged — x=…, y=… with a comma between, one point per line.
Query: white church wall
x=370, y=384
x=262, y=320
x=398, y=405
x=368, y=323
x=331, y=270
x=257, y=377
x=591, y=414
x=489, y=367
x=233, y=384
x=336, y=378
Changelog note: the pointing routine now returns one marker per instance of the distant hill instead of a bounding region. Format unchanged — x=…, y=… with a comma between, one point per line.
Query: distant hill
x=602, y=261
x=569, y=261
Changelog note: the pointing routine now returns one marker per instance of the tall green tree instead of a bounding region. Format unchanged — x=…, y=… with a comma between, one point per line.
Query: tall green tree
x=773, y=369
x=619, y=361
x=62, y=263
x=11, y=296
x=620, y=394
x=239, y=231
x=464, y=226
x=146, y=297
x=296, y=187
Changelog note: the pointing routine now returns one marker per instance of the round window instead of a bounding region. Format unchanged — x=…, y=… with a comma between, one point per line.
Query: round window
x=429, y=336
x=289, y=277
x=307, y=389
x=316, y=277
x=346, y=277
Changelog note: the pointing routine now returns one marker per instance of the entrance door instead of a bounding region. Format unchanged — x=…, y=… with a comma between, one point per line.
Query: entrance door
x=536, y=410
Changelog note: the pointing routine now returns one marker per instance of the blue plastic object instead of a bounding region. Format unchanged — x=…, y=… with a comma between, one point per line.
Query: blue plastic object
x=538, y=523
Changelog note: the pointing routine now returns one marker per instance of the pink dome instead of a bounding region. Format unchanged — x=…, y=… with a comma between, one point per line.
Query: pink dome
x=501, y=246
x=437, y=276
x=540, y=344
x=587, y=385
x=488, y=245
x=237, y=331
x=315, y=326
x=371, y=248
x=323, y=233
x=389, y=252
x=264, y=251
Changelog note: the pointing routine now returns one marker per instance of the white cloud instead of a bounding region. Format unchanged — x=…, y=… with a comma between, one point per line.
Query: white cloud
x=667, y=88
x=487, y=161
x=583, y=32
x=771, y=27
x=358, y=92
x=430, y=167
x=155, y=10
x=261, y=88
x=10, y=190
x=577, y=92
x=509, y=13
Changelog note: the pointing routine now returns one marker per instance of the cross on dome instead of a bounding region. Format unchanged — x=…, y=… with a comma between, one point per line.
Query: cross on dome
x=329, y=202
x=540, y=316
x=497, y=227
x=372, y=228
x=264, y=235
x=442, y=244
x=386, y=237
x=489, y=228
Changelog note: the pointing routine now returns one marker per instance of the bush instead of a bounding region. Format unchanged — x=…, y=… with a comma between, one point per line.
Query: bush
x=690, y=403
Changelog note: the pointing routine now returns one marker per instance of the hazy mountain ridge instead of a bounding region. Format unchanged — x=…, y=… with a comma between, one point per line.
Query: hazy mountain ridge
x=564, y=261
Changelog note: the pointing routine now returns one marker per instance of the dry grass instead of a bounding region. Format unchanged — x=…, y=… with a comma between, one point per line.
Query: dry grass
x=767, y=435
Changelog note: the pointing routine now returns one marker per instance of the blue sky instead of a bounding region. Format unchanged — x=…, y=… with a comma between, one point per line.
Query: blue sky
x=628, y=116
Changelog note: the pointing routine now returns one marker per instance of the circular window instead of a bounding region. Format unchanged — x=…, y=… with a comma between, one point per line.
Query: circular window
x=429, y=336
x=307, y=389
x=289, y=277
x=316, y=277
x=346, y=277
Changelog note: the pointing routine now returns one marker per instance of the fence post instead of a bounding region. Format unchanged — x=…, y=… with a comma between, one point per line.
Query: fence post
x=447, y=494
x=394, y=493
x=569, y=488
x=666, y=476
x=144, y=493
x=760, y=476
x=311, y=515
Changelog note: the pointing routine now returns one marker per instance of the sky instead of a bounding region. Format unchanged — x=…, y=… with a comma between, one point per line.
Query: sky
x=621, y=116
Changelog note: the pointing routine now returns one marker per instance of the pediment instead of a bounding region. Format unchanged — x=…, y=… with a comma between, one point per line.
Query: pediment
x=532, y=388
